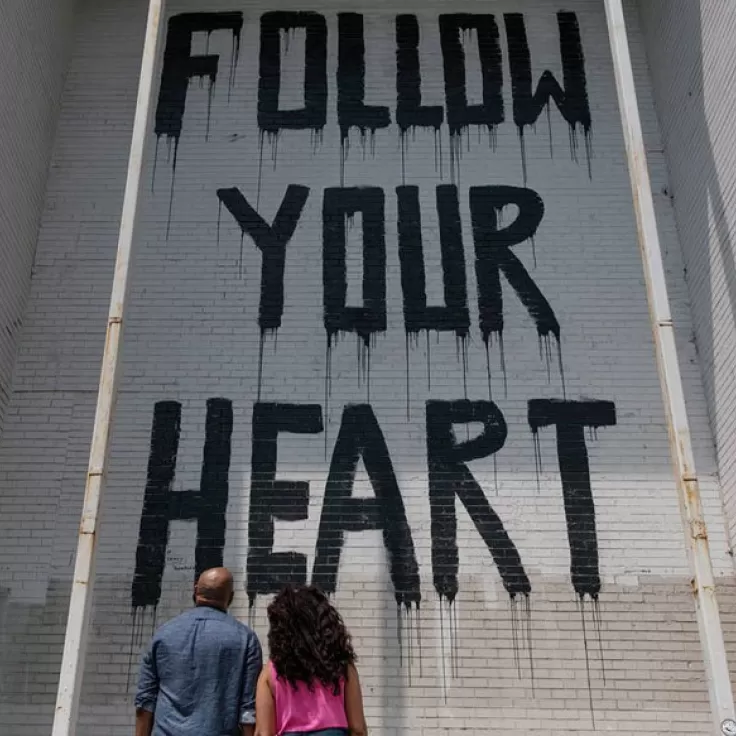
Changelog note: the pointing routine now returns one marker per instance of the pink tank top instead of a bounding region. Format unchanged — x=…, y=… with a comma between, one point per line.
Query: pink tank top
x=305, y=710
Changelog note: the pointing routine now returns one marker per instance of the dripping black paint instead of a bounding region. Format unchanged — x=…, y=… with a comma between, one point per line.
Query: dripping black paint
x=313, y=115
x=360, y=436
x=571, y=101
x=570, y=418
x=352, y=112
x=161, y=505
x=180, y=66
x=410, y=113
x=369, y=319
x=271, y=240
x=454, y=315
x=461, y=115
x=272, y=499
x=450, y=478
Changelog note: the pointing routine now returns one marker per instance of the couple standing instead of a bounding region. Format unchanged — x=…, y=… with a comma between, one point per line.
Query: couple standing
x=202, y=674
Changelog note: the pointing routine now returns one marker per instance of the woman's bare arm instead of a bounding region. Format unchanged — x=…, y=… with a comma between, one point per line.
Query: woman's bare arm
x=265, y=706
x=354, y=704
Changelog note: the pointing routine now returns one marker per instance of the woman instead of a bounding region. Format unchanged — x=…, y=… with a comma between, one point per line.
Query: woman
x=310, y=684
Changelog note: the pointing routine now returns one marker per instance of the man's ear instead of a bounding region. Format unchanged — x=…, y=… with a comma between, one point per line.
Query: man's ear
x=232, y=595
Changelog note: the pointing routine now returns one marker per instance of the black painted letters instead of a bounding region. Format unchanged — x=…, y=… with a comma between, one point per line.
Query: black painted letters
x=361, y=436
x=271, y=240
x=273, y=499
x=180, y=66
x=161, y=505
x=410, y=113
x=352, y=112
x=314, y=113
x=459, y=114
x=417, y=315
x=493, y=255
x=449, y=476
x=570, y=418
x=338, y=205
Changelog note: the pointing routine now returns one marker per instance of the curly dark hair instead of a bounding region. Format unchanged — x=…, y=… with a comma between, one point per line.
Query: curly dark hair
x=307, y=638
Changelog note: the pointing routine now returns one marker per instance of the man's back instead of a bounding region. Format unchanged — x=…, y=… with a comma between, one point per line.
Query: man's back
x=198, y=675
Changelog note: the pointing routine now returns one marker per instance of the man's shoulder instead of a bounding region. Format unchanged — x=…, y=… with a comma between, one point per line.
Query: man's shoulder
x=190, y=617
x=238, y=625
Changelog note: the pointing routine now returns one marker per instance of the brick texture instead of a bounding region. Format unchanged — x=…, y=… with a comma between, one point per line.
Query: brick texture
x=34, y=38
x=192, y=335
x=694, y=104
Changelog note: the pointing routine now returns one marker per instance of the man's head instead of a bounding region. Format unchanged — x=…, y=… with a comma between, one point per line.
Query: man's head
x=214, y=588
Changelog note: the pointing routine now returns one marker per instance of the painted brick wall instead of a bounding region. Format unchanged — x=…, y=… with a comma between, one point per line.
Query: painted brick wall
x=694, y=102
x=623, y=659
x=34, y=40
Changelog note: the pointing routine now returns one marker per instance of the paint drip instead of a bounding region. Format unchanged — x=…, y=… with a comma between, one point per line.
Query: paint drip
x=546, y=354
x=521, y=633
x=572, y=101
x=537, y=448
x=138, y=632
x=172, y=98
x=409, y=630
x=596, y=619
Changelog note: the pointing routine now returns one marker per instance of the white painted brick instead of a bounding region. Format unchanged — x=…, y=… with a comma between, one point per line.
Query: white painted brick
x=191, y=334
x=34, y=43
x=695, y=102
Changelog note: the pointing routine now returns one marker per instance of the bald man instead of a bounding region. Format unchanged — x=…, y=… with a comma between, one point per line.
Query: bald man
x=199, y=674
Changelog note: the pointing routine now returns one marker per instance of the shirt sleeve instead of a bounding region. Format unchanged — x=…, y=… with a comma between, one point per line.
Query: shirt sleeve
x=148, y=684
x=253, y=666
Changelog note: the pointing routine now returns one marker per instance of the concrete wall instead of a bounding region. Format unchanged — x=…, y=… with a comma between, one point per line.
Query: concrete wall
x=551, y=544
x=34, y=42
x=692, y=56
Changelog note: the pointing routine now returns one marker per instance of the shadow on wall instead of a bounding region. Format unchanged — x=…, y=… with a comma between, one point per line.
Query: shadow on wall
x=701, y=212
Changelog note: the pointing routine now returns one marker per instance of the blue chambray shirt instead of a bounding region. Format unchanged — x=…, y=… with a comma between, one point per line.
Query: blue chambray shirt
x=199, y=675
